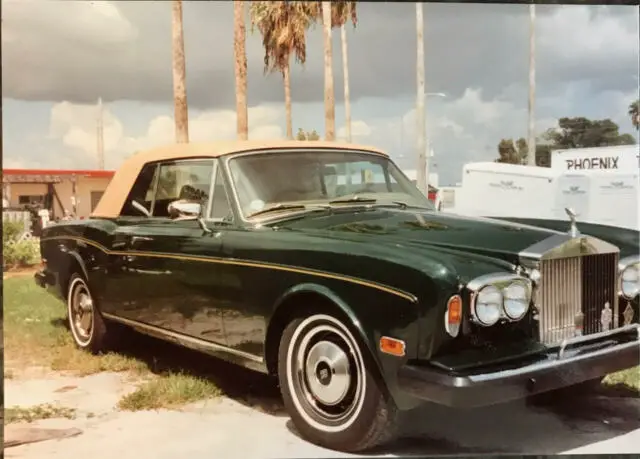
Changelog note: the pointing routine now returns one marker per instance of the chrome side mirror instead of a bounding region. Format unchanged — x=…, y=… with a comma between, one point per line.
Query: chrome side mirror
x=183, y=209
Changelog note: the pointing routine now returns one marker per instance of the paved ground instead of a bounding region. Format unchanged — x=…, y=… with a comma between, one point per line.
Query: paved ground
x=230, y=428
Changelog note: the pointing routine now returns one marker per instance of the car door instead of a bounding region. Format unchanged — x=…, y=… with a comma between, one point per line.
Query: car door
x=170, y=264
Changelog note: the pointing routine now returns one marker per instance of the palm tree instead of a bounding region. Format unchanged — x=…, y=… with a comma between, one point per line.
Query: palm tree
x=283, y=26
x=634, y=113
x=329, y=99
x=181, y=111
x=341, y=13
x=240, y=57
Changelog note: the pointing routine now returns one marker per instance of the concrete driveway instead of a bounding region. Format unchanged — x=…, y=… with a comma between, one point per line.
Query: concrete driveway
x=254, y=426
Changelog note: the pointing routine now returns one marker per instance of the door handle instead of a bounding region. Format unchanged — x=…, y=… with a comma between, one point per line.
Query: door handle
x=135, y=239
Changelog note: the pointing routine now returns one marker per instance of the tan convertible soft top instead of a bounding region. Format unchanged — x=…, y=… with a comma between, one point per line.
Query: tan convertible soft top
x=116, y=193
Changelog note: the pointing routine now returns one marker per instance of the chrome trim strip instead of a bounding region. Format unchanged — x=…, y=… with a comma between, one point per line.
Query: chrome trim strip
x=568, y=342
x=477, y=283
x=184, y=340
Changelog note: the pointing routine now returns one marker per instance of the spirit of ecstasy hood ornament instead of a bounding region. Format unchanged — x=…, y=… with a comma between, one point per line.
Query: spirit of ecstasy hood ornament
x=573, y=229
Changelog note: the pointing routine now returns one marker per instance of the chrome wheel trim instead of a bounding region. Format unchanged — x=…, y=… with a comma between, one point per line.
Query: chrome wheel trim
x=334, y=349
x=80, y=308
x=327, y=372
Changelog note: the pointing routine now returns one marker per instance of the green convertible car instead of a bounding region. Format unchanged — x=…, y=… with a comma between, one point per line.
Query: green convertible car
x=322, y=264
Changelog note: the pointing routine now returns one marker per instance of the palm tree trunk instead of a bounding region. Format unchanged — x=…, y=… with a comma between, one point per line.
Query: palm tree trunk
x=240, y=57
x=181, y=112
x=531, y=144
x=345, y=73
x=329, y=99
x=287, y=100
x=421, y=141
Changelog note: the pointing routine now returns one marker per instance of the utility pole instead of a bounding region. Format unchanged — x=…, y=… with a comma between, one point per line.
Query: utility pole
x=421, y=142
x=531, y=142
x=100, y=136
x=345, y=69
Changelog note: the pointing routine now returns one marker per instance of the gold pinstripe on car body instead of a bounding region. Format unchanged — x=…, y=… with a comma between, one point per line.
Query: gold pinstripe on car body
x=239, y=262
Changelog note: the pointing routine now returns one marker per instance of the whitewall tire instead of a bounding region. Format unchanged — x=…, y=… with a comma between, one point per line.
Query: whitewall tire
x=333, y=395
x=85, y=321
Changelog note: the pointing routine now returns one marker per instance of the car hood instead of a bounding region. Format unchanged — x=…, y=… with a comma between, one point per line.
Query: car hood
x=411, y=230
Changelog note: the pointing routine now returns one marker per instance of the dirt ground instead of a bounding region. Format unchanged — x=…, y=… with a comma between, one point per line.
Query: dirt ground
x=232, y=427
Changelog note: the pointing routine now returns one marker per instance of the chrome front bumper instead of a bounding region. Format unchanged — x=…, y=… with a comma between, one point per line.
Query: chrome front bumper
x=573, y=362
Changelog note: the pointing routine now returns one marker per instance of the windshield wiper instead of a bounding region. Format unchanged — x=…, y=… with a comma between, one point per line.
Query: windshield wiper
x=277, y=207
x=403, y=205
x=354, y=198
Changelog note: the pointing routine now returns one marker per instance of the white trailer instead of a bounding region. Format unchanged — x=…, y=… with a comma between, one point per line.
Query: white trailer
x=505, y=190
x=607, y=198
x=508, y=190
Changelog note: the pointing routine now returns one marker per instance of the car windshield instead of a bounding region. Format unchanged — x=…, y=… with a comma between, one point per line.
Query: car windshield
x=309, y=179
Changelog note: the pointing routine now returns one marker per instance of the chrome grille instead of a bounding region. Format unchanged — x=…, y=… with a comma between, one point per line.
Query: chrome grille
x=573, y=293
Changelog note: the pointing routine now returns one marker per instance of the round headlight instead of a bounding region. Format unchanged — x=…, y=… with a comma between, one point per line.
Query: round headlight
x=516, y=300
x=630, y=281
x=488, y=305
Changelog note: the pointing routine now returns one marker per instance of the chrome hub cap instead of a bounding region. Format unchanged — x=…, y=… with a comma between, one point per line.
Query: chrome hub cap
x=83, y=312
x=327, y=372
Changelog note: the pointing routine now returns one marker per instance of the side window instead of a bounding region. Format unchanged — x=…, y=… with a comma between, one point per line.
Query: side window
x=189, y=180
x=141, y=192
x=220, y=207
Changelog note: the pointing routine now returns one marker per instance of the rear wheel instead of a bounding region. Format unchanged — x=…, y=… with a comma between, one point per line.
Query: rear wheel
x=87, y=326
x=330, y=387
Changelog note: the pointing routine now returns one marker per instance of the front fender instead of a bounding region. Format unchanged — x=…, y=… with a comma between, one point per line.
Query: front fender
x=370, y=315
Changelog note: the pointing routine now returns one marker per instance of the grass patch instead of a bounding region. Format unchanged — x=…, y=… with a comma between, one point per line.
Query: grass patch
x=627, y=379
x=33, y=413
x=168, y=391
x=35, y=334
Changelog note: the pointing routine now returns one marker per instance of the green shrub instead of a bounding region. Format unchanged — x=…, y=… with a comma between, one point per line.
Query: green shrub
x=15, y=252
x=23, y=253
x=11, y=231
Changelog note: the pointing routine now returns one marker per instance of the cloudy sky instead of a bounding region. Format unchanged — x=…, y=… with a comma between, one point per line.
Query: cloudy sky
x=58, y=57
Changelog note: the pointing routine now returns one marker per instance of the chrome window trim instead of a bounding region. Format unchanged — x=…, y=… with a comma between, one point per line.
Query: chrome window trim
x=214, y=169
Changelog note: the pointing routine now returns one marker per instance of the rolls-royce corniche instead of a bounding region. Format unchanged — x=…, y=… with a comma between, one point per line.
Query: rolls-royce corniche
x=321, y=264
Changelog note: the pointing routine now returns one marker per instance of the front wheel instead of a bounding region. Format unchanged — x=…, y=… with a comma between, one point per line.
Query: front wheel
x=329, y=386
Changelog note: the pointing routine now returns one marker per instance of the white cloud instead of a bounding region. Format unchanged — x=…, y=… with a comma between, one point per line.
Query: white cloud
x=360, y=131
x=76, y=127
x=591, y=35
x=93, y=23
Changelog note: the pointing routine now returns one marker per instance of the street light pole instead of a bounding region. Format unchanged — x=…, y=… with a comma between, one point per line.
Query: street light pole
x=421, y=139
x=531, y=142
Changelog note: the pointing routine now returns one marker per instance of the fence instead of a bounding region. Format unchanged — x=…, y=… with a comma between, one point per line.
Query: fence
x=18, y=216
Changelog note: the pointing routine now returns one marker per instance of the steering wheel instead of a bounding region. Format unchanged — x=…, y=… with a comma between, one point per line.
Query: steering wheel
x=282, y=195
x=367, y=189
